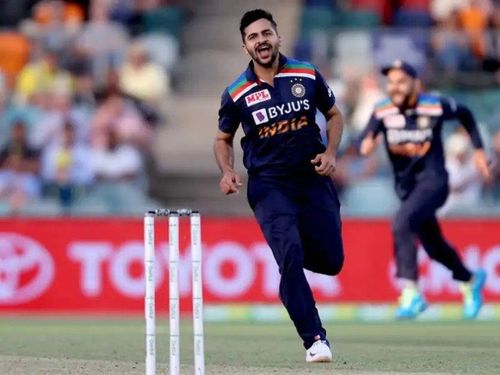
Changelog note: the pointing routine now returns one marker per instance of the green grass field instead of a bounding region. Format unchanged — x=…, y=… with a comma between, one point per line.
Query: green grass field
x=116, y=346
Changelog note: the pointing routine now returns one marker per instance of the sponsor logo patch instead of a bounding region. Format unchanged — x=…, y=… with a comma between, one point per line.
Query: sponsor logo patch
x=260, y=116
x=394, y=121
x=269, y=114
x=257, y=97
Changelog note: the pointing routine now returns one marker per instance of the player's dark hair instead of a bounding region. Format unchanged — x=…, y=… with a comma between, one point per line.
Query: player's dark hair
x=254, y=15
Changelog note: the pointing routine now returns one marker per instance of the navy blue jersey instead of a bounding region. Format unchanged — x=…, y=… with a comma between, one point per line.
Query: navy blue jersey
x=281, y=134
x=413, y=137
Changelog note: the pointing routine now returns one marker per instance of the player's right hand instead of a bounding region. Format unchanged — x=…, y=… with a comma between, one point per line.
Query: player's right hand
x=230, y=182
x=368, y=145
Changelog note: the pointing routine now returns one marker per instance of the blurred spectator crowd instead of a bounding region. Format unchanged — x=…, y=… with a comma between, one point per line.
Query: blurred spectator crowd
x=454, y=44
x=83, y=83
x=81, y=92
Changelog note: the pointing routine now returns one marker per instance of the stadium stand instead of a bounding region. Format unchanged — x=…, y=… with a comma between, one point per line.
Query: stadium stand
x=14, y=54
x=195, y=47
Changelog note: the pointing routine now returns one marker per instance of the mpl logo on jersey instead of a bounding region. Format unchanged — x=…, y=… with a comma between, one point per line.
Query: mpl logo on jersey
x=26, y=269
x=258, y=97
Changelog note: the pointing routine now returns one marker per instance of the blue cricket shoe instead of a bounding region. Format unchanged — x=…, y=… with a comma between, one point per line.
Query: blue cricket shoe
x=411, y=303
x=472, y=293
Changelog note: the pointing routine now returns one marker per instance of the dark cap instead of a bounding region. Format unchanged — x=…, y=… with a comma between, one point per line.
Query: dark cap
x=401, y=65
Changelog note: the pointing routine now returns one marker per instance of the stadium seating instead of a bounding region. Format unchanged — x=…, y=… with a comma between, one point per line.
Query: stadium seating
x=483, y=103
x=320, y=3
x=415, y=4
x=317, y=18
x=412, y=18
x=353, y=48
x=359, y=19
x=162, y=48
x=42, y=207
x=370, y=198
x=381, y=7
x=166, y=19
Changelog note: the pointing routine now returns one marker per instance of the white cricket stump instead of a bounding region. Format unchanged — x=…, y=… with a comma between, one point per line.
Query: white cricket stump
x=174, y=300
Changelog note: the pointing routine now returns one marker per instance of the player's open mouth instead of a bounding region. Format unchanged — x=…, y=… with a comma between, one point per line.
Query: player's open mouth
x=264, y=51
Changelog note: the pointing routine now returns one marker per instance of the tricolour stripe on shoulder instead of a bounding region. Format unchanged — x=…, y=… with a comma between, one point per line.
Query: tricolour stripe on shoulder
x=429, y=99
x=241, y=90
x=385, y=107
x=295, y=68
x=429, y=105
x=240, y=87
x=240, y=81
x=298, y=64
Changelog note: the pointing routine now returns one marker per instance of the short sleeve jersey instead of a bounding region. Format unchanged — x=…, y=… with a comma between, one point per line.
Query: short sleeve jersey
x=413, y=138
x=280, y=133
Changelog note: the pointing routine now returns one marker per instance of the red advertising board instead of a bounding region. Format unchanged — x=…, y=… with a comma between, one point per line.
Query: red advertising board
x=96, y=265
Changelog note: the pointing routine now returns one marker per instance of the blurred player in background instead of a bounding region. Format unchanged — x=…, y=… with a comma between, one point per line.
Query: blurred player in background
x=411, y=123
x=289, y=168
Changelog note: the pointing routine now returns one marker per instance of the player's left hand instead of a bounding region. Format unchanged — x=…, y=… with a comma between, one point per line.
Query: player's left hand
x=324, y=164
x=481, y=162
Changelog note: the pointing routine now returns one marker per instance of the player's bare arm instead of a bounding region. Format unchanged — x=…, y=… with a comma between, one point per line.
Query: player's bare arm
x=368, y=145
x=224, y=154
x=466, y=118
x=481, y=161
x=325, y=162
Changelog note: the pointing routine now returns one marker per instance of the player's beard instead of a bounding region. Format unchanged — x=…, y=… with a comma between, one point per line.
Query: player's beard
x=274, y=52
x=407, y=101
x=398, y=102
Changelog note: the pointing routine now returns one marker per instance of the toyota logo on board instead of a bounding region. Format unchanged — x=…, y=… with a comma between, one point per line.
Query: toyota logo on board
x=26, y=269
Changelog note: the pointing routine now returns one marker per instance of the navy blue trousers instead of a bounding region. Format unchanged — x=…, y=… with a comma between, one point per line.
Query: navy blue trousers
x=300, y=219
x=416, y=218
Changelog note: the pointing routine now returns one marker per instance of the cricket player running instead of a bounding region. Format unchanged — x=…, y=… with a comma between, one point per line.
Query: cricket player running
x=411, y=123
x=289, y=185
